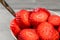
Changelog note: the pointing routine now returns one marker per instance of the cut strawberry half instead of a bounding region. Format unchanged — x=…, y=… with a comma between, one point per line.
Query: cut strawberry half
x=22, y=18
x=14, y=27
x=46, y=31
x=28, y=34
x=54, y=19
x=38, y=17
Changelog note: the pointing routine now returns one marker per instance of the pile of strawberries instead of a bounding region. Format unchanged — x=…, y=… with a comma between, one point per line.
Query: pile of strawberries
x=38, y=24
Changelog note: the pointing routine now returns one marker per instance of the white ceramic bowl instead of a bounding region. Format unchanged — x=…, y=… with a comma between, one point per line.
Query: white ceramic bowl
x=52, y=12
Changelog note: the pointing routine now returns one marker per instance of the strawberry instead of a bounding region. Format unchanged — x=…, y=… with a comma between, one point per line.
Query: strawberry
x=14, y=27
x=47, y=32
x=22, y=18
x=54, y=19
x=28, y=34
x=38, y=17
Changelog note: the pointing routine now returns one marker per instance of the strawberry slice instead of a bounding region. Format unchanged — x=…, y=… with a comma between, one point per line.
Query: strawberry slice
x=14, y=27
x=22, y=18
x=47, y=32
x=54, y=19
x=38, y=17
x=28, y=34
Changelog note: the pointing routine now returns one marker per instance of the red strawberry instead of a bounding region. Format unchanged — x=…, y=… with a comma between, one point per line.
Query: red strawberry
x=38, y=17
x=14, y=27
x=47, y=32
x=28, y=34
x=22, y=18
x=54, y=19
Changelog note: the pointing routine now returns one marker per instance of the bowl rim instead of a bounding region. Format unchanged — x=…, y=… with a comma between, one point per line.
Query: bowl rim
x=13, y=34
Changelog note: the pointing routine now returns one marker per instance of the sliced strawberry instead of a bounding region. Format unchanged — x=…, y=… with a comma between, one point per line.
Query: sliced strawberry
x=54, y=19
x=28, y=34
x=47, y=32
x=14, y=27
x=22, y=18
x=38, y=17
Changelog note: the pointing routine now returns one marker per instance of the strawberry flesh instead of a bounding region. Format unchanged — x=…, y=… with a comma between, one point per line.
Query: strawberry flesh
x=22, y=18
x=14, y=27
x=28, y=34
x=47, y=32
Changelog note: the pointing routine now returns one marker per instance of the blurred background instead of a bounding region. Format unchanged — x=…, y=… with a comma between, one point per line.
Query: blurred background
x=16, y=5
x=19, y=4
